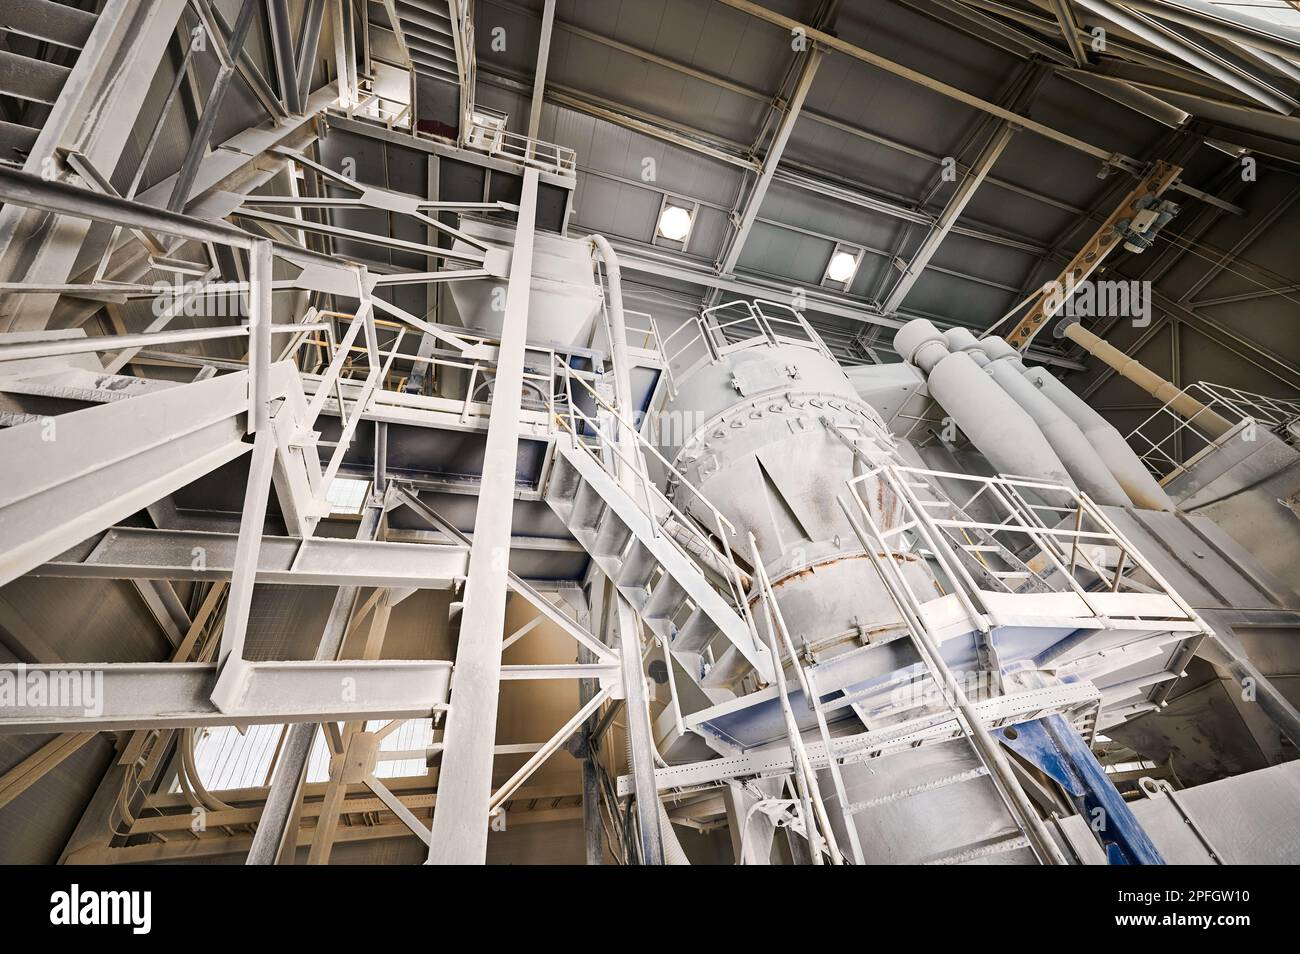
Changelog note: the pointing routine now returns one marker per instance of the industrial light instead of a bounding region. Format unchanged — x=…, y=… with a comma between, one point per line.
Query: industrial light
x=674, y=223
x=842, y=266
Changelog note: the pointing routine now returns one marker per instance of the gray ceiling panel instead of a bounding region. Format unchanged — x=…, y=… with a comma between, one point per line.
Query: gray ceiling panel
x=582, y=63
x=847, y=223
x=785, y=256
x=958, y=299
x=973, y=256
x=606, y=206
x=700, y=33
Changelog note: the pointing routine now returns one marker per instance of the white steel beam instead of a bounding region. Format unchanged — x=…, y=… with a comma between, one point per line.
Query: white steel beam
x=89, y=469
x=929, y=82
x=96, y=110
x=1196, y=53
x=1224, y=21
x=539, y=76
x=108, y=697
x=1070, y=30
x=948, y=218
x=460, y=823
x=291, y=764
x=807, y=73
x=137, y=553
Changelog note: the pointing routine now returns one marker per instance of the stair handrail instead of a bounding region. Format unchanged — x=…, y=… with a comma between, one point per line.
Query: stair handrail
x=640, y=471
x=725, y=562
x=969, y=722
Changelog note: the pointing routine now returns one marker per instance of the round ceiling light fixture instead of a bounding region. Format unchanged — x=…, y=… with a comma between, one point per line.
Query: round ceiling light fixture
x=674, y=223
x=842, y=267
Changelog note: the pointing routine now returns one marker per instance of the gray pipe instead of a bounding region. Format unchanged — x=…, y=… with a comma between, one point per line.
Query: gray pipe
x=1079, y=457
x=640, y=734
x=1114, y=451
x=1000, y=428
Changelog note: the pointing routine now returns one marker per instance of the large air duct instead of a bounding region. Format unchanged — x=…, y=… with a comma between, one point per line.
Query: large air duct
x=1080, y=458
x=999, y=427
x=1131, y=473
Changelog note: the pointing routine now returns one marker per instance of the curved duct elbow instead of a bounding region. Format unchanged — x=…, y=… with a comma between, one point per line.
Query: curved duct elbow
x=1114, y=451
x=1001, y=430
x=1080, y=458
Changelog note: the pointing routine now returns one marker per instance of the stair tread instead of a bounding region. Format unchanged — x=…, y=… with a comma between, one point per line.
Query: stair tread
x=681, y=572
x=16, y=138
x=47, y=20
x=33, y=80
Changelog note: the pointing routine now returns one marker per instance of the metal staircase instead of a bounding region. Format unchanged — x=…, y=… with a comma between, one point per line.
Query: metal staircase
x=42, y=40
x=980, y=551
x=1026, y=829
x=429, y=32
x=664, y=583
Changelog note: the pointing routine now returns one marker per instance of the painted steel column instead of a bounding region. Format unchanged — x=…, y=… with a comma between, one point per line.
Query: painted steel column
x=1164, y=391
x=313, y=16
x=539, y=75
x=640, y=733
x=291, y=767
x=286, y=65
x=460, y=819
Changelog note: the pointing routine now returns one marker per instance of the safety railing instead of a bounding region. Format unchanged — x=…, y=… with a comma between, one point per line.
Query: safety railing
x=642, y=332
x=712, y=550
x=734, y=326
x=486, y=131
x=1069, y=545
x=1168, y=443
x=458, y=375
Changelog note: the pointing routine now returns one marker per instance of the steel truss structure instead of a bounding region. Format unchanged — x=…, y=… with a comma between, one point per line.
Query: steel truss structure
x=194, y=365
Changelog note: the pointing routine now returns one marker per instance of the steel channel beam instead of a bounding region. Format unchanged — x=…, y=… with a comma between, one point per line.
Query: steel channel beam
x=930, y=83
x=539, y=76
x=131, y=553
x=88, y=470
x=97, y=108
x=807, y=73
x=211, y=110
x=1225, y=22
x=460, y=824
x=1201, y=57
x=313, y=17
x=286, y=64
x=20, y=188
x=109, y=697
x=952, y=211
